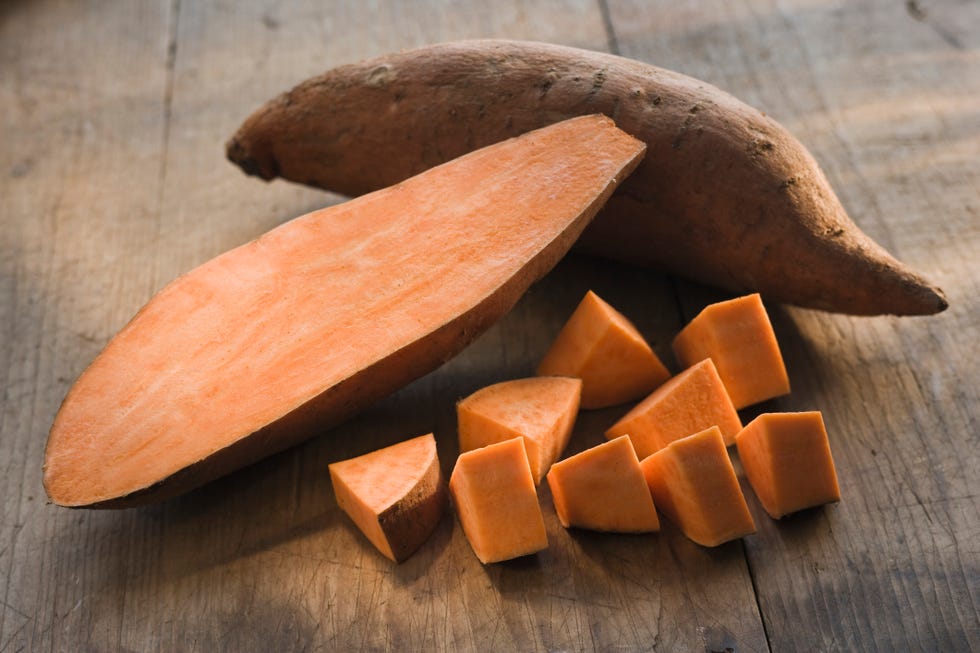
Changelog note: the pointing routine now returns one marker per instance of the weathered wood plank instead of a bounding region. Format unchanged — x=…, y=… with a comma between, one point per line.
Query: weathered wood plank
x=82, y=132
x=886, y=96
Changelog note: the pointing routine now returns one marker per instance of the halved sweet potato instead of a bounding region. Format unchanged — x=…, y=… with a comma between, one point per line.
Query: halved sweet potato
x=690, y=402
x=496, y=501
x=603, y=489
x=277, y=340
x=395, y=495
x=694, y=485
x=540, y=409
x=603, y=348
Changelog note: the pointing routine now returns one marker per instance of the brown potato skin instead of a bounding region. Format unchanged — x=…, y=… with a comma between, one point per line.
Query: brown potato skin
x=725, y=195
x=411, y=520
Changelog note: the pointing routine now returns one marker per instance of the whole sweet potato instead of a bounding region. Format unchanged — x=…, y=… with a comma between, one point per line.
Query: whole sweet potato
x=725, y=195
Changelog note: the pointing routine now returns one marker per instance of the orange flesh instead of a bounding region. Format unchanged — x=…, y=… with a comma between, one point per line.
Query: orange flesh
x=496, y=502
x=603, y=348
x=368, y=486
x=694, y=485
x=690, y=402
x=254, y=334
x=542, y=410
x=603, y=489
x=787, y=460
x=738, y=336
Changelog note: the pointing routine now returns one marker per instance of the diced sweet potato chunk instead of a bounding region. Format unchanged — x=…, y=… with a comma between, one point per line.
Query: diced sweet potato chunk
x=395, y=495
x=540, y=409
x=786, y=457
x=694, y=485
x=496, y=501
x=737, y=335
x=603, y=489
x=690, y=402
x=603, y=348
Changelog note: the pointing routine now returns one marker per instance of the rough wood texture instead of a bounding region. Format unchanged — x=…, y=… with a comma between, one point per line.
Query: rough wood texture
x=112, y=182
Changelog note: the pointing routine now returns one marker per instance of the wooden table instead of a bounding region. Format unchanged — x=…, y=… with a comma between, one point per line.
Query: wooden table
x=113, y=117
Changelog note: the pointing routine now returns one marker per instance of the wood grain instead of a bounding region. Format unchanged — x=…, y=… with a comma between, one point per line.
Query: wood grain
x=82, y=131
x=112, y=182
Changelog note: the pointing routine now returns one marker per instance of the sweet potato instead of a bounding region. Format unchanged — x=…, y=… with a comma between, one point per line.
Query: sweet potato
x=787, y=460
x=690, y=402
x=497, y=503
x=281, y=338
x=541, y=410
x=738, y=337
x=395, y=495
x=694, y=485
x=603, y=489
x=603, y=348
x=725, y=196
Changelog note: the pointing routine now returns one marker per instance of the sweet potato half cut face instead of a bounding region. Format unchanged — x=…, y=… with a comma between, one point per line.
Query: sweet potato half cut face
x=281, y=338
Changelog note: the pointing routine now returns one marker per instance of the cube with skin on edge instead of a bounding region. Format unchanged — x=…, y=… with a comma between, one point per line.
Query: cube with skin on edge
x=395, y=495
x=786, y=457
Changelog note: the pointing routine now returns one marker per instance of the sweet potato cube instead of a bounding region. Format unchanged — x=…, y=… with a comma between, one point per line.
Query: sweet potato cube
x=694, y=485
x=690, y=402
x=496, y=501
x=603, y=489
x=787, y=460
x=603, y=348
x=540, y=409
x=396, y=495
x=737, y=335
